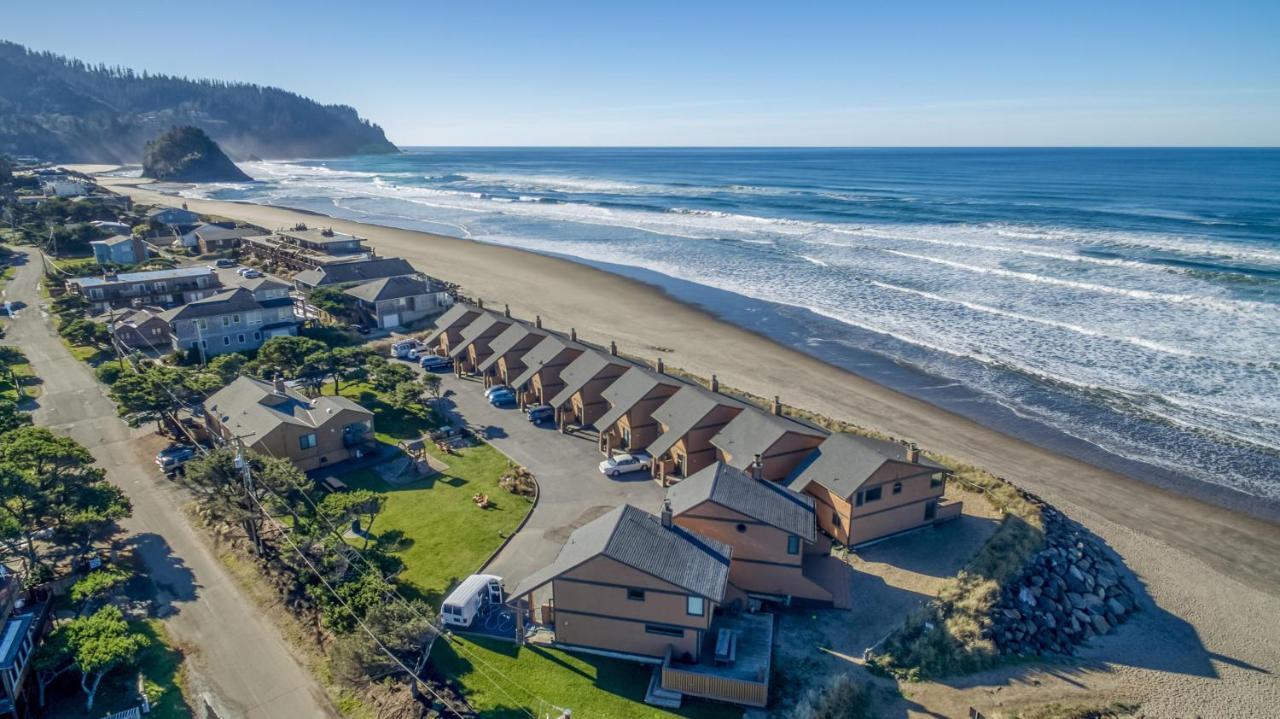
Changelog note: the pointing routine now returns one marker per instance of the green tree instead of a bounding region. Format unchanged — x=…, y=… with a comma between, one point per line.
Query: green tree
x=286, y=355
x=432, y=383
x=99, y=643
x=11, y=417
x=95, y=586
x=402, y=626
x=227, y=366
x=53, y=659
x=86, y=333
x=217, y=481
x=384, y=376
x=406, y=395
x=333, y=301
x=358, y=504
x=154, y=393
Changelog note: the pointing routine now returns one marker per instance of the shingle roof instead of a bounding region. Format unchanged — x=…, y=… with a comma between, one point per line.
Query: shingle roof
x=389, y=288
x=844, y=462
x=754, y=431
x=582, y=370
x=637, y=539
x=624, y=392
x=263, y=283
x=486, y=323
x=515, y=334
x=113, y=241
x=138, y=317
x=459, y=315
x=682, y=412
x=210, y=232
x=235, y=300
x=341, y=273
x=251, y=407
x=764, y=501
x=544, y=353
x=148, y=276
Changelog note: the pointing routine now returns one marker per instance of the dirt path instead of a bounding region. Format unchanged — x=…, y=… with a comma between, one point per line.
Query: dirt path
x=240, y=660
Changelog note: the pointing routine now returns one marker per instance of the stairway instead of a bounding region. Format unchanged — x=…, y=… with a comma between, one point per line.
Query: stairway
x=659, y=697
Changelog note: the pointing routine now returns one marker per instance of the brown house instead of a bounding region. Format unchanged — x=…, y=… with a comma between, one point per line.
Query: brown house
x=540, y=379
x=868, y=489
x=449, y=327
x=686, y=423
x=473, y=347
x=634, y=584
x=142, y=329
x=278, y=421
x=778, y=443
x=629, y=424
x=508, y=349
x=581, y=400
x=771, y=528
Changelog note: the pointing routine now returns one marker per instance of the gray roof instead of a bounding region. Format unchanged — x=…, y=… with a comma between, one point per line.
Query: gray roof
x=682, y=412
x=582, y=370
x=624, y=392
x=734, y=489
x=263, y=283
x=341, y=273
x=148, y=276
x=113, y=241
x=390, y=288
x=844, y=462
x=507, y=341
x=138, y=317
x=637, y=539
x=210, y=232
x=459, y=315
x=488, y=322
x=252, y=407
x=235, y=300
x=319, y=236
x=754, y=431
x=543, y=353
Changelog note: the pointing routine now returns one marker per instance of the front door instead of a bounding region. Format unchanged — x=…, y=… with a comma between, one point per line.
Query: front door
x=930, y=510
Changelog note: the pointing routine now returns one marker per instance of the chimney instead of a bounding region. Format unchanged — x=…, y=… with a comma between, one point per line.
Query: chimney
x=537, y=321
x=573, y=334
x=506, y=310
x=757, y=467
x=480, y=302
x=913, y=453
x=662, y=369
x=777, y=405
x=715, y=384
x=666, y=513
x=279, y=384
x=613, y=348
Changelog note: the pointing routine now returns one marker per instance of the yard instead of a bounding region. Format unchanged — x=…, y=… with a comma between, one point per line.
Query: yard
x=160, y=665
x=589, y=685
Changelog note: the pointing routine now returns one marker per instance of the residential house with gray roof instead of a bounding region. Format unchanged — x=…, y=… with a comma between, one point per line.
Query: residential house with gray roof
x=449, y=326
x=398, y=301
x=774, y=441
x=540, y=381
x=628, y=424
x=508, y=350
x=580, y=400
x=237, y=320
x=153, y=288
x=474, y=343
x=686, y=422
x=338, y=274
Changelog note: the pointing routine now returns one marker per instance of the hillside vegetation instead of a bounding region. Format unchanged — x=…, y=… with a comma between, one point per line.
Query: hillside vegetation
x=62, y=109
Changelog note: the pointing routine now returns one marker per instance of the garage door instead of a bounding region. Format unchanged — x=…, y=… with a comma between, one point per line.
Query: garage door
x=391, y=320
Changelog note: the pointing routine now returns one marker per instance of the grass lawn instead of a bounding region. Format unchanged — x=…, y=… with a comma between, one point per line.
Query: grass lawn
x=26, y=379
x=589, y=685
x=159, y=664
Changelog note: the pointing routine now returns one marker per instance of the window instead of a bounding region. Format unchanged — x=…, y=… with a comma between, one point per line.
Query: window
x=95, y=294
x=696, y=606
x=307, y=441
x=635, y=595
x=857, y=500
x=257, y=336
x=793, y=544
x=253, y=318
x=240, y=338
x=835, y=518
x=226, y=321
x=873, y=494
x=202, y=324
x=158, y=286
x=226, y=340
x=235, y=319
x=935, y=480
x=663, y=631
x=897, y=487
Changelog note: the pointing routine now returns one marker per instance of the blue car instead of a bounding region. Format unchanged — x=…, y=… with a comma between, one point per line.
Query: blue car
x=502, y=398
x=433, y=363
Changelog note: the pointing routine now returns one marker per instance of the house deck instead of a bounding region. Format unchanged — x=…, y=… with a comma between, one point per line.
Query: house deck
x=744, y=680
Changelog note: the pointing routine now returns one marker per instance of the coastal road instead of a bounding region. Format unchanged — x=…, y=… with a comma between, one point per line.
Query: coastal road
x=239, y=659
x=571, y=490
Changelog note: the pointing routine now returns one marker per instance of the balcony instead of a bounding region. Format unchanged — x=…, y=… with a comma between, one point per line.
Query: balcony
x=734, y=668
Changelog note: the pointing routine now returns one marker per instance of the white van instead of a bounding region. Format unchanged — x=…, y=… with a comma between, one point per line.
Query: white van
x=474, y=594
x=405, y=349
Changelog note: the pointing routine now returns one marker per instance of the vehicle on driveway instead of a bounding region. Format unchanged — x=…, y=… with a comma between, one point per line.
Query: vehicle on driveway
x=405, y=350
x=249, y=273
x=503, y=398
x=431, y=363
x=541, y=413
x=488, y=393
x=174, y=456
x=223, y=264
x=620, y=464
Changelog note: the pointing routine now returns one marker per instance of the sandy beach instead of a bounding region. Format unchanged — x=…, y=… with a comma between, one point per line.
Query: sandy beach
x=1212, y=574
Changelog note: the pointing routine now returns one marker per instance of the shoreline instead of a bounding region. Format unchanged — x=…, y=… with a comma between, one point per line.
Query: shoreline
x=647, y=321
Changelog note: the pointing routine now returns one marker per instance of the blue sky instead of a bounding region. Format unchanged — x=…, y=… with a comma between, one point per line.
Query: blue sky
x=734, y=73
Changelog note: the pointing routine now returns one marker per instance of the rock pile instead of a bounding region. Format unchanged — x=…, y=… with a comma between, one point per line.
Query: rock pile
x=1070, y=592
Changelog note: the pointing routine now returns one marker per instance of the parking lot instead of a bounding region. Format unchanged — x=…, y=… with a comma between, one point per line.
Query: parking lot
x=573, y=492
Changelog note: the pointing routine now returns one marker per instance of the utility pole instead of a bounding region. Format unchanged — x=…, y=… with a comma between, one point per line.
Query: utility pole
x=246, y=477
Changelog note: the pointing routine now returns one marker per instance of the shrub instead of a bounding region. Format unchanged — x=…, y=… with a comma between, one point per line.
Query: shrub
x=841, y=698
x=519, y=481
x=108, y=373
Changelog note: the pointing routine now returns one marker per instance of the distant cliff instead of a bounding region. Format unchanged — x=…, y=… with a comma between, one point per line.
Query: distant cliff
x=65, y=110
x=186, y=154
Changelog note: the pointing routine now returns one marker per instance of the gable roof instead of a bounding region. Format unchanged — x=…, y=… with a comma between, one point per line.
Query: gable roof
x=113, y=241
x=459, y=315
x=389, y=288
x=758, y=499
x=754, y=431
x=543, y=354
x=624, y=392
x=210, y=232
x=234, y=300
x=175, y=273
x=682, y=412
x=507, y=341
x=637, y=539
x=844, y=462
x=263, y=283
x=252, y=407
x=341, y=273
x=582, y=370
x=485, y=323
x=138, y=318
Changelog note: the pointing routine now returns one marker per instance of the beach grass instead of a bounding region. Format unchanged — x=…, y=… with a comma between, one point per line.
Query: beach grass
x=500, y=680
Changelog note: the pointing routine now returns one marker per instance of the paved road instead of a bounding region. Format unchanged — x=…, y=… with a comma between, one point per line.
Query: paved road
x=573, y=492
x=240, y=659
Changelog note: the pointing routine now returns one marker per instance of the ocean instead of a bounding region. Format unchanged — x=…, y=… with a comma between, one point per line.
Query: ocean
x=1121, y=305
